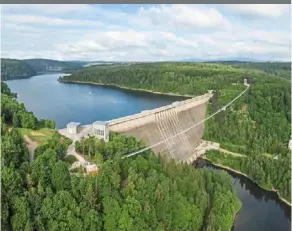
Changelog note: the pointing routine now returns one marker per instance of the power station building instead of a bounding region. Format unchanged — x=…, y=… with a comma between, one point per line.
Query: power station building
x=73, y=127
x=100, y=130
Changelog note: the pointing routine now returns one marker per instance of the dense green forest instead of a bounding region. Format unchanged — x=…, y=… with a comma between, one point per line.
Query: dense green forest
x=281, y=69
x=20, y=69
x=180, y=78
x=139, y=193
x=257, y=124
x=46, y=65
x=15, y=69
x=267, y=172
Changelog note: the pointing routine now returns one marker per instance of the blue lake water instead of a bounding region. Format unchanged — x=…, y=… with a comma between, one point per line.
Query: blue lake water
x=64, y=102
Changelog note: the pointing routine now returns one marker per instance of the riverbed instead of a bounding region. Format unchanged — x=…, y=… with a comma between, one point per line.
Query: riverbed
x=63, y=102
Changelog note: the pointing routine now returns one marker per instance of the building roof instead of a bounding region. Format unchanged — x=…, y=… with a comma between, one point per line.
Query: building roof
x=100, y=123
x=73, y=124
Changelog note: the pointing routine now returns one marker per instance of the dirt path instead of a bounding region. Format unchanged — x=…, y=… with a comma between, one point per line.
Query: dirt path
x=231, y=153
x=31, y=145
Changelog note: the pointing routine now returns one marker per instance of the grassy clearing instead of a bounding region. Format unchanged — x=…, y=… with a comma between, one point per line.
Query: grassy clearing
x=41, y=136
x=46, y=131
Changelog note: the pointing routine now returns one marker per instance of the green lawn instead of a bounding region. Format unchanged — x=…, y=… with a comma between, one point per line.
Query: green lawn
x=41, y=136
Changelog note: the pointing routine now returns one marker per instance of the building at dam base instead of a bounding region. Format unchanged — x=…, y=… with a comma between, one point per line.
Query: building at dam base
x=160, y=124
x=75, y=131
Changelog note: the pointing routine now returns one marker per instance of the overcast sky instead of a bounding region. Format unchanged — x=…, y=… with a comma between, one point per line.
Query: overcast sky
x=146, y=32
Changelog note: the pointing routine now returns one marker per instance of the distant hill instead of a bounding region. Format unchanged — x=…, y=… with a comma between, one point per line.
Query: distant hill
x=231, y=59
x=280, y=69
x=49, y=65
x=193, y=60
x=236, y=59
x=15, y=69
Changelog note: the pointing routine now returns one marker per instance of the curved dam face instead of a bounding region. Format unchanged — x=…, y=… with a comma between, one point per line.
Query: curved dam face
x=160, y=124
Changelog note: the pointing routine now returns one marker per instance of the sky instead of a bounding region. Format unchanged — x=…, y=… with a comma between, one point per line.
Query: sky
x=128, y=32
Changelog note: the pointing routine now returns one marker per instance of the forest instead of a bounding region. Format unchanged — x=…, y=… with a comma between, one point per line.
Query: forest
x=269, y=173
x=140, y=193
x=21, y=69
x=15, y=69
x=280, y=69
x=258, y=124
x=45, y=65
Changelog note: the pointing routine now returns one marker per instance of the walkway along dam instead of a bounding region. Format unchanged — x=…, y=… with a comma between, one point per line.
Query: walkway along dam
x=159, y=124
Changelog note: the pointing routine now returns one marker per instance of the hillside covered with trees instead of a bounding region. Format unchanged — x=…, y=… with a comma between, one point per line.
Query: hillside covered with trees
x=15, y=69
x=280, y=69
x=21, y=69
x=270, y=174
x=139, y=193
x=49, y=65
x=257, y=124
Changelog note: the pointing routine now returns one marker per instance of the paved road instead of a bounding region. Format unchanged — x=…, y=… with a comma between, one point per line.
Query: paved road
x=71, y=151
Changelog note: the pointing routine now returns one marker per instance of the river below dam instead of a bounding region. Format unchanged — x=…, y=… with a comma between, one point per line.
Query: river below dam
x=261, y=210
x=47, y=98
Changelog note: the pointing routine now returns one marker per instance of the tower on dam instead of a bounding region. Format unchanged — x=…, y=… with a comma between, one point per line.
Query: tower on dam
x=153, y=126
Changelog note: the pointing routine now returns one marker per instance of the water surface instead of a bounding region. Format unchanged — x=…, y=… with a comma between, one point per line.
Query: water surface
x=64, y=102
x=261, y=210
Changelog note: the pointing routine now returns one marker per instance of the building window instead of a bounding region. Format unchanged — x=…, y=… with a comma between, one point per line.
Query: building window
x=99, y=132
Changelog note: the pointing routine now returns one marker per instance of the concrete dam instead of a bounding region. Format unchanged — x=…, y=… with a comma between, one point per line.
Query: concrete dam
x=153, y=126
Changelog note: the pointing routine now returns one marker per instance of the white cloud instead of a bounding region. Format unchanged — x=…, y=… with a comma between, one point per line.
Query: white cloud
x=152, y=45
x=48, y=21
x=182, y=17
x=261, y=10
x=149, y=33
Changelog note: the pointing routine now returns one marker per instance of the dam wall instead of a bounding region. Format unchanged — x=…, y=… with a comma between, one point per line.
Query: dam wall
x=153, y=126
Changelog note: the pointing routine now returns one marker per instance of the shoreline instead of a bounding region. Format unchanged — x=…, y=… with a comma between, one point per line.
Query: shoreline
x=128, y=88
x=234, y=216
x=243, y=174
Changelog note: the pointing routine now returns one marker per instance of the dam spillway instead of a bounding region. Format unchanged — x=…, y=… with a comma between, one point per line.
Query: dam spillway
x=153, y=126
